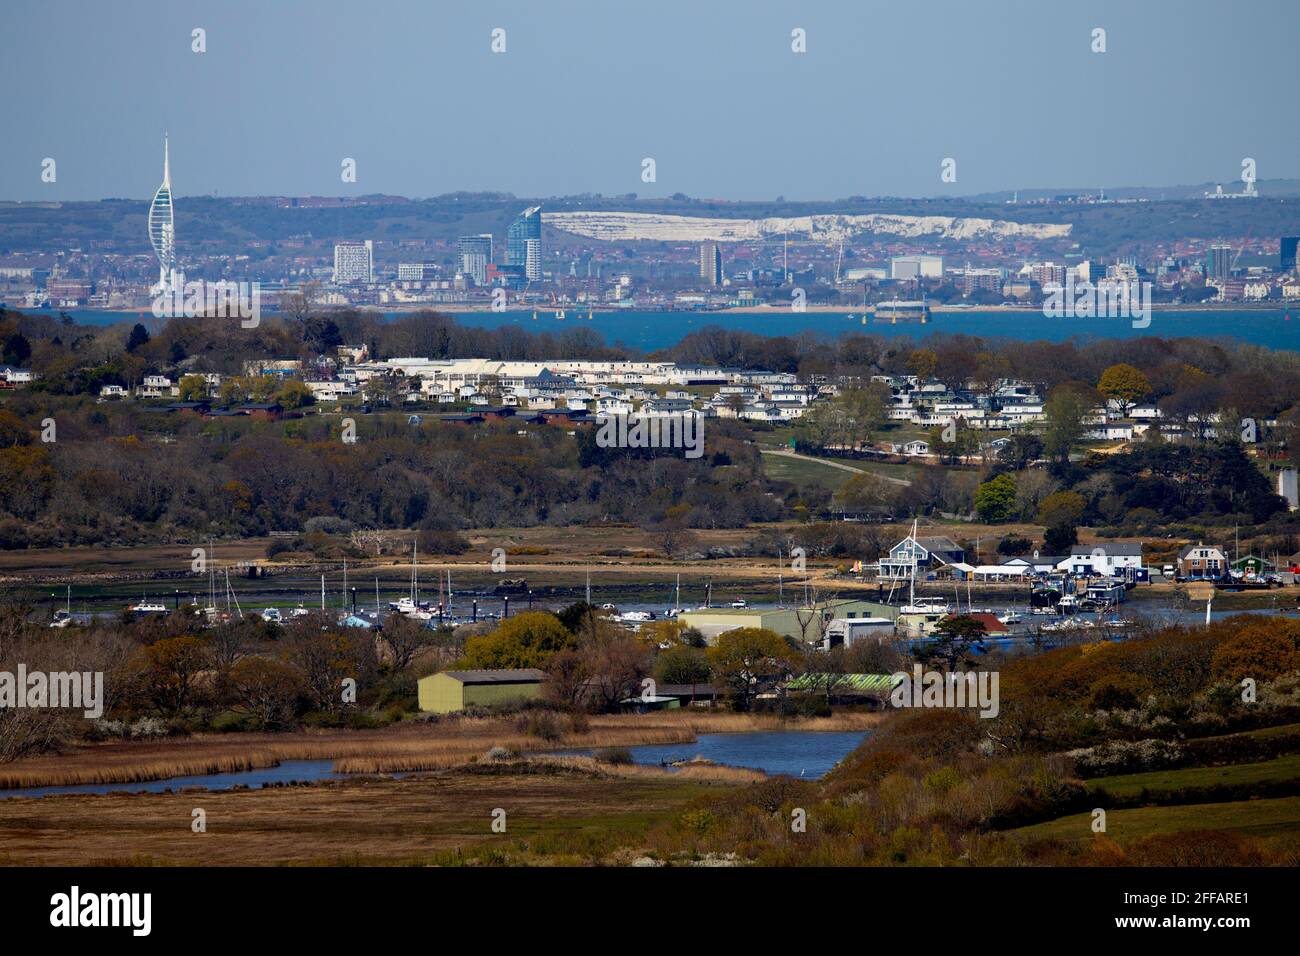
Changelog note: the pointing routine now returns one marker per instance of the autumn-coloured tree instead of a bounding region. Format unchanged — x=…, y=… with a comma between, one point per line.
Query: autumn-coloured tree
x=746, y=659
x=170, y=668
x=1125, y=385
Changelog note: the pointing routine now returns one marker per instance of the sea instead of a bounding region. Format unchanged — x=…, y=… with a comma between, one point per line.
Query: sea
x=650, y=330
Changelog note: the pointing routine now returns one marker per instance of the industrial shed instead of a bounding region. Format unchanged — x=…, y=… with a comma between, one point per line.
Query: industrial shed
x=451, y=691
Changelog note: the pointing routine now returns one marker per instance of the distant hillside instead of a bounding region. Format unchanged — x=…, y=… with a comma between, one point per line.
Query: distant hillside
x=223, y=224
x=1272, y=188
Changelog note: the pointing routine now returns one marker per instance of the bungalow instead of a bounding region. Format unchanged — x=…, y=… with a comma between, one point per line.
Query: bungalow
x=1111, y=431
x=16, y=376
x=1202, y=561
x=915, y=448
x=330, y=391
x=493, y=412
x=156, y=386
x=112, y=391
x=922, y=553
x=262, y=411
x=1044, y=564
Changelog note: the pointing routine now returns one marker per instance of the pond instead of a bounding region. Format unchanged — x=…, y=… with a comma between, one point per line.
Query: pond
x=289, y=771
x=799, y=753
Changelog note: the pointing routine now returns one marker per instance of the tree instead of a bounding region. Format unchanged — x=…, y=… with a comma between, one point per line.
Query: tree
x=1014, y=546
x=617, y=665
x=1060, y=538
x=170, y=668
x=955, y=635
x=193, y=388
x=1124, y=384
x=865, y=492
x=12, y=430
x=1261, y=650
x=266, y=688
x=139, y=336
x=995, y=499
x=404, y=638
x=567, y=676
x=1065, y=410
x=1061, y=508
x=526, y=640
x=16, y=350
x=746, y=658
x=922, y=364
x=682, y=664
x=294, y=394
x=1021, y=451
x=326, y=657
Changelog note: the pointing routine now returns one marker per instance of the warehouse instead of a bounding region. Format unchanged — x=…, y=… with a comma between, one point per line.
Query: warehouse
x=805, y=623
x=452, y=691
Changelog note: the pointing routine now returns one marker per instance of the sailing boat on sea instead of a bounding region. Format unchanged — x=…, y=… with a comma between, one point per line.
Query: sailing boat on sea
x=677, y=601
x=920, y=615
x=410, y=606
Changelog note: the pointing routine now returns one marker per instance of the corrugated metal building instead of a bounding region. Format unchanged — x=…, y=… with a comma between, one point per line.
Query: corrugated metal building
x=452, y=691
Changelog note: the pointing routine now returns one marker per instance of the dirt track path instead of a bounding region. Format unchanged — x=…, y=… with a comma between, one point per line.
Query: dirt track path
x=834, y=464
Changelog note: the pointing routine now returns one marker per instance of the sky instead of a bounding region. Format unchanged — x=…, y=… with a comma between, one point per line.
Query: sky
x=711, y=90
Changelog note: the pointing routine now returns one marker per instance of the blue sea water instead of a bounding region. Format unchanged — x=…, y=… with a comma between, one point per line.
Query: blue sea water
x=287, y=771
x=797, y=753
x=647, y=331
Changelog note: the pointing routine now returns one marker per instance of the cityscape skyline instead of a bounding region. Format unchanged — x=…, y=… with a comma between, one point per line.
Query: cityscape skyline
x=1020, y=101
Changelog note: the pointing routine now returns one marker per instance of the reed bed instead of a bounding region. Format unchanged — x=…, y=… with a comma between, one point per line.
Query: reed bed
x=403, y=748
x=698, y=770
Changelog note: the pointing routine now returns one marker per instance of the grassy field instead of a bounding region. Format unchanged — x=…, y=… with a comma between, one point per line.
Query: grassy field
x=1160, y=784
x=803, y=472
x=1261, y=818
x=552, y=815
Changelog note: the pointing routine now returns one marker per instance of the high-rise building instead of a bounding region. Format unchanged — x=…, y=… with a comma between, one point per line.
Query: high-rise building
x=1287, y=250
x=162, y=232
x=416, y=271
x=1047, y=274
x=1218, y=261
x=710, y=263
x=475, y=255
x=354, y=262
x=524, y=242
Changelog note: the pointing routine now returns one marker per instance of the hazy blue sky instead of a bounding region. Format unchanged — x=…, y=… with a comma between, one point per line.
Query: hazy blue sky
x=709, y=89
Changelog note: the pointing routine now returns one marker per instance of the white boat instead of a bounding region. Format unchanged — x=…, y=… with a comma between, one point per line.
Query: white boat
x=299, y=611
x=409, y=608
x=739, y=603
x=272, y=615
x=63, y=616
x=635, y=617
x=145, y=607
x=926, y=605
x=1010, y=617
